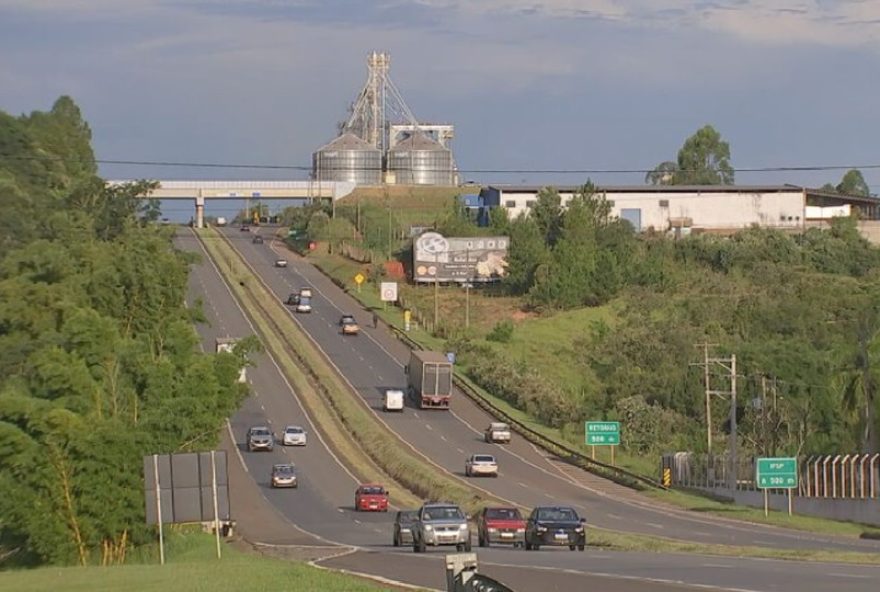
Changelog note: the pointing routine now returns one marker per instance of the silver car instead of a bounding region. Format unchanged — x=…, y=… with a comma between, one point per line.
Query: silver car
x=483, y=465
x=293, y=436
x=441, y=524
x=260, y=438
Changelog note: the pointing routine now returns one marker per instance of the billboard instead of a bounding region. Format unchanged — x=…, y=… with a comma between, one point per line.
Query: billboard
x=477, y=259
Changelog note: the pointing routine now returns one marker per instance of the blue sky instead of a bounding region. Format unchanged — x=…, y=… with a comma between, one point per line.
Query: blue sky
x=529, y=84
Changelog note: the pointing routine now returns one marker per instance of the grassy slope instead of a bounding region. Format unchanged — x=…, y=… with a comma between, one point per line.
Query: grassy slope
x=191, y=564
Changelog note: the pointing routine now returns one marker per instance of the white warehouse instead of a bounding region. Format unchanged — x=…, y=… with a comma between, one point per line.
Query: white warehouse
x=712, y=208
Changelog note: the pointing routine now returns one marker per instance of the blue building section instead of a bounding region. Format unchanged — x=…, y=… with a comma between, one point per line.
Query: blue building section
x=476, y=207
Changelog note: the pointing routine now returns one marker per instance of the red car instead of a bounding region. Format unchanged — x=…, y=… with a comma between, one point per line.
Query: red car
x=371, y=498
x=501, y=525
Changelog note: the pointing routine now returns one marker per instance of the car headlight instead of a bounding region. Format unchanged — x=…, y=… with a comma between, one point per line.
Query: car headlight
x=579, y=529
x=541, y=529
x=429, y=527
x=520, y=530
x=463, y=527
x=493, y=530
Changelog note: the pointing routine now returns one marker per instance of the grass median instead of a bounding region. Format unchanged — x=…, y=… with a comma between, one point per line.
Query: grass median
x=355, y=433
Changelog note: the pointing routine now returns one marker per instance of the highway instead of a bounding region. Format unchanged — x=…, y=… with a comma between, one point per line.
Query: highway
x=322, y=505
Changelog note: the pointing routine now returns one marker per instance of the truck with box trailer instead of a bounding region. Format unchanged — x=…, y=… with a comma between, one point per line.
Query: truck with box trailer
x=429, y=379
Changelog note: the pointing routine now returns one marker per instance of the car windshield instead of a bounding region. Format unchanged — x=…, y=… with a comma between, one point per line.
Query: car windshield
x=304, y=300
x=557, y=515
x=294, y=430
x=484, y=458
x=284, y=469
x=499, y=426
x=260, y=431
x=444, y=513
x=407, y=517
x=503, y=514
x=372, y=490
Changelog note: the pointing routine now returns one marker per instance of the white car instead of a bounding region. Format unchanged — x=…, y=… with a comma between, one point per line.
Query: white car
x=294, y=436
x=481, y=465
x=281, y=263
x=305, y=292
x=393, y=400
x=497, y=432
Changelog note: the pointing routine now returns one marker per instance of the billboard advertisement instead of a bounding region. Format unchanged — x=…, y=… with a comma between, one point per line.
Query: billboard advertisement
x=476, y=259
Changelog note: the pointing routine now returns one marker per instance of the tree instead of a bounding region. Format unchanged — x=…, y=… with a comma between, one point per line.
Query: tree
x=853, y=183
x=547, y=213
x=662, y=174
x=704, y=159
x=528, y=251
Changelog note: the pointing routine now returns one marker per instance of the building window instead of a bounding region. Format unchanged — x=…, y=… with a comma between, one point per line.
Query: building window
x=664, y=203
x=509, y=203
x=530, y=203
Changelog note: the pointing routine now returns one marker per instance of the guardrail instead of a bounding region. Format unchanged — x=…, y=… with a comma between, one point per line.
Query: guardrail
x=566, y=453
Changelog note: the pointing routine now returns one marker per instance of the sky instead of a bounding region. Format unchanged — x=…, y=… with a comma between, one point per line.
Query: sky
x=530, y=85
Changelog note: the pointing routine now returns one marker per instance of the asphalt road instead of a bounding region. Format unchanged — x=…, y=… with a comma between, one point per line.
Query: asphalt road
x=373, y=361
x=321, y=508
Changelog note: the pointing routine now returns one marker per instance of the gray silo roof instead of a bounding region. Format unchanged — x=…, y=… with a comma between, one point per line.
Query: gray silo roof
x=418, y=141
x=347, y=141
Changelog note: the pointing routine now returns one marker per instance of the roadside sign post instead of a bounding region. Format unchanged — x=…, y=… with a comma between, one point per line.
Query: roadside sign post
x=388, y=293
x=359, y=279
x=602, y=433
x=776, y=473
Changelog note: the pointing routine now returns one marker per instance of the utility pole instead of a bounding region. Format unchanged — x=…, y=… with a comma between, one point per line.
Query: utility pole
x=729, y=365
x=708, y=392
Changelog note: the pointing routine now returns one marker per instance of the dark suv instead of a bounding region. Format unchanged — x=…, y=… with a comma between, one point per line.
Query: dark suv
x=555, y=525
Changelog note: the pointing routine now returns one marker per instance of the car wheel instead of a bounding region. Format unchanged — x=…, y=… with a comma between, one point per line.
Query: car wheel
x=467, y=547
x=528, y=546
x=581, y=547
x=536, y=547
x=396, y=541
x=459, y=548
x=481, y=541
x=572, y=547
x=421, y=547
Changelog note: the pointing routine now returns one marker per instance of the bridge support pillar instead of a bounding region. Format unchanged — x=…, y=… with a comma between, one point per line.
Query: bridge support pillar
x=200, y=212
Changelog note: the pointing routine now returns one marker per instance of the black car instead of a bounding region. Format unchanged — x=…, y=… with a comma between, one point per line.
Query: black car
x=555, y=525
x=403, y=522
x=292, y=299
x=244, y=228
x=257, y=240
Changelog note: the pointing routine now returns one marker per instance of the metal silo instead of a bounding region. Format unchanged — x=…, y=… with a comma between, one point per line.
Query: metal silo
x=348, y=158
x=419, y=160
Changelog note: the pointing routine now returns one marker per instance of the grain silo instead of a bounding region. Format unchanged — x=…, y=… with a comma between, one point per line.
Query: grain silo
x=419, y=160
x=348, y=158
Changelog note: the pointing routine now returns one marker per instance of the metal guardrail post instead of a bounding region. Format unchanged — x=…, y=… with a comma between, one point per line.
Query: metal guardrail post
x=834, y=476
x=873, y=488
x=825, y=476
x=863, y=477
x=843, y=462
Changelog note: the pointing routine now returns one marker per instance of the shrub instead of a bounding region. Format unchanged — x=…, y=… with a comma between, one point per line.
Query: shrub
x=502, y=332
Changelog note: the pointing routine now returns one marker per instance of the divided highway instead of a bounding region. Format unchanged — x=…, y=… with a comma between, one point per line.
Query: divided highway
x=322, y=505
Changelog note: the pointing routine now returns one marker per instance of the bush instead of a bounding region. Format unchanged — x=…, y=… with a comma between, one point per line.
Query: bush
x=502, y=332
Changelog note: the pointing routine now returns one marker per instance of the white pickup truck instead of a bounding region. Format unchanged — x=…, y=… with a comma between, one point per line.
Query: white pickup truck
x=497, y=432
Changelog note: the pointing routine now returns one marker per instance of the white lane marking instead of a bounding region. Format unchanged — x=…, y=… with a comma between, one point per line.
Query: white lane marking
x=460, y=450
x=427, y=425
x=654, y=525
x=845, y=575
x=415, y=414
x=340, y=510
x=615, y=516
x=442, y=437
x=719, y=565
x=521, y=484
x=379, y=530
x=356, y=521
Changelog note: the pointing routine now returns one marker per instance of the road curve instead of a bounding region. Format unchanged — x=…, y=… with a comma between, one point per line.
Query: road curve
x=322, y=511
x=374, y=361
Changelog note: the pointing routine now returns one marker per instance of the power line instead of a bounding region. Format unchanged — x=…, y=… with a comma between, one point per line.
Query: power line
x=584, y=171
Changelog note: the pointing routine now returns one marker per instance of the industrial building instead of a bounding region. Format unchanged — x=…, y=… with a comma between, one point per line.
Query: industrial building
x=383, y=142
x=710, y=208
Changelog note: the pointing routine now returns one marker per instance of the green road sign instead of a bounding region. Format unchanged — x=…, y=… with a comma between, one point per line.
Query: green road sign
x=777, y=473
x=602, y=433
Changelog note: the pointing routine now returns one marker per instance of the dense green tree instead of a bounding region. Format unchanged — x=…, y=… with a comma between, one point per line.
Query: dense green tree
x=527, y=252
x=704, y=159
x=853, y=183
x=547, y=213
